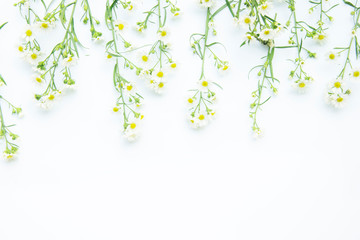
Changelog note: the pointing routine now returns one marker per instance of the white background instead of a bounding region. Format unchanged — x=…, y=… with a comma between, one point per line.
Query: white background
x=77, y=178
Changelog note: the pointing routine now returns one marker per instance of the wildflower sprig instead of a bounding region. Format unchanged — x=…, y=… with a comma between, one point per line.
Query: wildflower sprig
x=254, y=16
x=202, y=99
x=301, y=79
x=319, y=33
x=30, y=47
x=128, y=102
x=338, y=92
x=64, y=53
x=158, y=61
x=6, y=134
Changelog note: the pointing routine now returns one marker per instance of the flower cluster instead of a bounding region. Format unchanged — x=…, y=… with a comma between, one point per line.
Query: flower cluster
x=63, y=55
x=6, y=134
x=338, y=91
x=202, y=99
x=254, y=17
x=151, y=62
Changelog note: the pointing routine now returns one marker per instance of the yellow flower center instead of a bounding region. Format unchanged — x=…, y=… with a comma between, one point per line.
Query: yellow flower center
x=160, y=74
x=225, y=67
x=204, y=83
x=337, y=84
x=38, y=79
x=131, y=7
x=129, y=87
x=173, y=65
x=21, y=48
x=247, y=20
x=267, y=32
x=301, y=85
x=133, y=125
x=108, y=56
x=161, y=85
x=115, y=109
x=33, y=56
x=339, y=99
x=44, y=25
x=332, y=56
x=69, y=59
x=121, y=26
x=321, y=37
x=51, y=97
x=201, y=117
x=163, y=33
x=145, y=58
x=356, y=74
x=264, y=6
x=249, y=37
x=190, y=100
x=28, y=33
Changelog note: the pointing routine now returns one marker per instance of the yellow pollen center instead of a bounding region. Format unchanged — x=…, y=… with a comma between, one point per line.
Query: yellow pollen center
x=264, y=7
x=28, y=33
x=332, y=56
x=115, y=109
x=266, y=32
x=133, y=125
x=69, y=59
x=21, y=48
x=201, y=117
x=301, y=85
x=225, y=67
x=33, y=56
x=247, y=20
x=173, y=65
x=44, y=25
x=161, y=85
x=337, y=84
x=51, y=97
x=145, y=58
x=160, y=74
x=339, y=99
x=129, y=87
x=109, y=56
x=204, y=83
x=131, y=7
x=121, y=26
x=356, y=74
x=321, y=37
x=190, y=100
x=163, y=33
x=39, y=80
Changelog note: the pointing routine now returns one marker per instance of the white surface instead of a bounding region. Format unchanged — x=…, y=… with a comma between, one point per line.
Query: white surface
x=77, y=178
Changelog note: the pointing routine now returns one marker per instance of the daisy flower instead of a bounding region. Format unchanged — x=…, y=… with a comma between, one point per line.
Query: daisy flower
x=207, y=3
x=267, y=34
x=355, y=74
x=120, y=25
x=204, y=84
x=69, y=61
x=33, y=57
x=132, y=129
x=28, y=33
x=337, y=100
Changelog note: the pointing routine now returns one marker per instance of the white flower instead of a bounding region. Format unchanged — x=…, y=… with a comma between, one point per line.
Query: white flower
x=145, y=59
x=267, y=34
x=28, y=33
x=38, y=79
x=9, y=156
x=247, y=21
x=132, y=129
x=332, y=56
x=47, y=101
x=301, y=85
x=337, y=86
x=163, y=33
x=337, y=100
x=355, y=74
x=33, y=57
x=200, y=119
x=264, y=8
x=120, y=25
x=204, y=84
x=257, y=133
x=69, y=61
x=47, y=25
x=320, y=38
x=157, y=85
x=129, y=88
x=207, y=3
